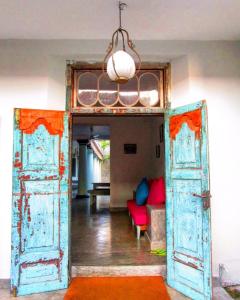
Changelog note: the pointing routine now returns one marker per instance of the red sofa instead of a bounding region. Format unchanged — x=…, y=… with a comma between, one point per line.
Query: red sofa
x=138, y=214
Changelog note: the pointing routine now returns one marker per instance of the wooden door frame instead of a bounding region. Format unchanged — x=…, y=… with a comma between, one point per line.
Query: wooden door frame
x=92, y=112
x=84, y=115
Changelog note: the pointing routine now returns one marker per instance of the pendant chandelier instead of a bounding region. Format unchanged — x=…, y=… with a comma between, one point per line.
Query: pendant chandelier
x=120, y=64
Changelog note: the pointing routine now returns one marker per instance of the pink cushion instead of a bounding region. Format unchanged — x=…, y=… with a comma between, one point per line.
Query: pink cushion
x=139, y=215
x=130, y=205
x=157, y=192
x=150, y=181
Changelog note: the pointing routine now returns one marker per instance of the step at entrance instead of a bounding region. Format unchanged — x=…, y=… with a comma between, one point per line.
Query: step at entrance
x=146, y=270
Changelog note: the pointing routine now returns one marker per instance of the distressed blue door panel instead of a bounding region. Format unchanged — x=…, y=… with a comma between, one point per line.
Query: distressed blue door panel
x=42, y=198
x=40, y=209
x=188, y=223
x=190, y=157
x=41, y=152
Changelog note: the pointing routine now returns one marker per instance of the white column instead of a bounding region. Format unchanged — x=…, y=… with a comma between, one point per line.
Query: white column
x=90, y=171
x=97, y=169
x=82, y=170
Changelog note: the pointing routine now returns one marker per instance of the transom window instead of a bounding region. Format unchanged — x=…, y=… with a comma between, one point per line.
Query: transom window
x=92, y=89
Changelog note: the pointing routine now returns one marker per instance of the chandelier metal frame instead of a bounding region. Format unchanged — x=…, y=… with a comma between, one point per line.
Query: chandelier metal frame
x=124, y=35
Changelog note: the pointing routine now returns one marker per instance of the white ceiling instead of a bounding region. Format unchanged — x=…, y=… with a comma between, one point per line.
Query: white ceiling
x=144, y=19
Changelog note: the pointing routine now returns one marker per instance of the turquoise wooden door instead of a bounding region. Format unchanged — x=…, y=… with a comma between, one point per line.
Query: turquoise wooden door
x=187, y=206
x=40, y=202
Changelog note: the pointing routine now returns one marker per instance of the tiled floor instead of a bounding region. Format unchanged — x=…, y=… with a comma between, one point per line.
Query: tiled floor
x=102, y=238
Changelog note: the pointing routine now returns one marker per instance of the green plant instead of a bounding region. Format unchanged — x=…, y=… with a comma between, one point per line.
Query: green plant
x=104, y=145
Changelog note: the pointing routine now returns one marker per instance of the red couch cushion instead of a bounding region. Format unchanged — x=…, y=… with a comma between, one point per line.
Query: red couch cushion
x=139, y=215
x=157, y=192
x=150, y=181
x=130, y=205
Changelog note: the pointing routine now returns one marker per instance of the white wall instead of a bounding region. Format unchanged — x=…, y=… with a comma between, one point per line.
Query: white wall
x=214, y=75
x=32, y=75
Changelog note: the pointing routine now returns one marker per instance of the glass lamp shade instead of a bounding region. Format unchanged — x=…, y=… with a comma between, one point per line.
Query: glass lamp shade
x=124, y=66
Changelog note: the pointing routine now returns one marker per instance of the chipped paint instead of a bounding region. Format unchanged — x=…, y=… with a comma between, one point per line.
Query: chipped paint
x=188, y=223
x=24, y=177
x=26, y=265
x=118, y=110
x=27, y=207
x=40, y=203
x=17, y=164
x=19, y=211
x=61, y=164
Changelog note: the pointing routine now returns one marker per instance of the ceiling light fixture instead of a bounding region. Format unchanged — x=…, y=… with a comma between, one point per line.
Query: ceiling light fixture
x=120, y=65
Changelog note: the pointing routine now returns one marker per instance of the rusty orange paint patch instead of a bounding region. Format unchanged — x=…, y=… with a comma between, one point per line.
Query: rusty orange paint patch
x=61, y=254
x=50, y=177
x=24, y=177
x=17, y=164
x=19, y=206
x=31, y=119
x=41, y=261
x=27, y=207
x=192, y=118
x=61, y=164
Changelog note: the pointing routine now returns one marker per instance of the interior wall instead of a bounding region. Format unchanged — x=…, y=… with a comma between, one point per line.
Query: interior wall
x=32, y=74
x=126, y=170
x=158, y=163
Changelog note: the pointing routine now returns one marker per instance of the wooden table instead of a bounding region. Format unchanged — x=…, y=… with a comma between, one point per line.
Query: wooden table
x=98, y=185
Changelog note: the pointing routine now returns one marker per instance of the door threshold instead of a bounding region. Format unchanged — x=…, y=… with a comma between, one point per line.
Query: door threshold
x=113, y=270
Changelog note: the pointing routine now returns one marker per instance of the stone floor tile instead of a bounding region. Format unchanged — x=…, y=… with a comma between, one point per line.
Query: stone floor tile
x=106, y=238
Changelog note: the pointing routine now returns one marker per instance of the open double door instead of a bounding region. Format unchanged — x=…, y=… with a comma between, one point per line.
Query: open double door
x=40, y=216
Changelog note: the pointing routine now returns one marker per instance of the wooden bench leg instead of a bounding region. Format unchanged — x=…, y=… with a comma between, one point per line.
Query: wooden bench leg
x=138, y=232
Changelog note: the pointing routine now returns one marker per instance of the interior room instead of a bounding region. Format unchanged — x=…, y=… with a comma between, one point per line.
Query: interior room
x=103, y=231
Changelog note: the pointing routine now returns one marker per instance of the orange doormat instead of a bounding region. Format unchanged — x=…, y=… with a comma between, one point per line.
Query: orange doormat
x=117, y=288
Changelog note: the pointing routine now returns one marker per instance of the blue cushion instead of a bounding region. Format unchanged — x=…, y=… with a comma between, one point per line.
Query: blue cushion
x=142, y=192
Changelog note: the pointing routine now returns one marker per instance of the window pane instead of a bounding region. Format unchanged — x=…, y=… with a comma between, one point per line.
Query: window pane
x=87, y=89
x=108, y=90
x=149, y=92
x=128, y=92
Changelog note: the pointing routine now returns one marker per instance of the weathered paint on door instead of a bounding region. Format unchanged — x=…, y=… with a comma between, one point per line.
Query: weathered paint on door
x=187, y=207
x=40, y=202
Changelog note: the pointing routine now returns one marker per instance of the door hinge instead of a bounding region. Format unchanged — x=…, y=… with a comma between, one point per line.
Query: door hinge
x=17, y=116
x=168, y=106
x=14, y=291
x=206, y=199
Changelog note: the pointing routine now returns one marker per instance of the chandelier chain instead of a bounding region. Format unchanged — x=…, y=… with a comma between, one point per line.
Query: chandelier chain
x=121, y=6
